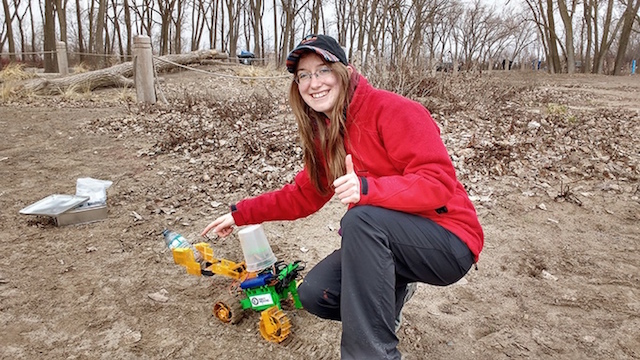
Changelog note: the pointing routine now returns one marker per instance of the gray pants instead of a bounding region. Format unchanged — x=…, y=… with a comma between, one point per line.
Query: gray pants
x=364, y=282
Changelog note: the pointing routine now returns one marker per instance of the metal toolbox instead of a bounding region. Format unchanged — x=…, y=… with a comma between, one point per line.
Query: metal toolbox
x=67, y=209
x=82, y=215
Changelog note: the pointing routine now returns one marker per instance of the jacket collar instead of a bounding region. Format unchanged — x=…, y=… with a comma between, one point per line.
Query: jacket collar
x=358, y=89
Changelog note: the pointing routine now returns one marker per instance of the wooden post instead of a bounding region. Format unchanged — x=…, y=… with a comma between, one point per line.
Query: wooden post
x=143, y=69
x=63, y=63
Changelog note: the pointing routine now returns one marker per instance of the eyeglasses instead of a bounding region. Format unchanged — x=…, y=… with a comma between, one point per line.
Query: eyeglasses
x=304, y=78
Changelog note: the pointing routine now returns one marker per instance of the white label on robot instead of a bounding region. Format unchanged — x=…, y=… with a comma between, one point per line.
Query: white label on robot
x=260, y=300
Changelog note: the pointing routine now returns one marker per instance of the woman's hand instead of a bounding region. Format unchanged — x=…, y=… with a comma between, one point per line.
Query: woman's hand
x=222, y=226
x=348, y=186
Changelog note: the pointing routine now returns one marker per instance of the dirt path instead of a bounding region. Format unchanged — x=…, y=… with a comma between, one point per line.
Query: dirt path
x=559, y=277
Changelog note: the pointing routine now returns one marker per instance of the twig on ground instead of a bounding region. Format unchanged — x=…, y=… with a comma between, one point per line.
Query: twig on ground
x=567, y=194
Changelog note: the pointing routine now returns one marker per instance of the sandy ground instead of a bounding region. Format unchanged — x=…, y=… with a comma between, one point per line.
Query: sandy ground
x=559, y=277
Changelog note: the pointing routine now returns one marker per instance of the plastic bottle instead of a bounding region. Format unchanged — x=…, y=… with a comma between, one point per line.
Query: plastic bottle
x=175, y=240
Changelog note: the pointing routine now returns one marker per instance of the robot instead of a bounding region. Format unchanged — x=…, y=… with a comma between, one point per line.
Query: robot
x=262, y=291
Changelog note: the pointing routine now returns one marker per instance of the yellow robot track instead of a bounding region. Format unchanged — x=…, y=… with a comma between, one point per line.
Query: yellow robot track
x=274, y=325
x=228, y=310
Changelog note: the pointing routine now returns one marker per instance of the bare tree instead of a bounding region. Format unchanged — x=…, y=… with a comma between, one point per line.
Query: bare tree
x=472, y=30
x=553, y=60
x=211, y=21
x=520, y=32
x=61, y=11
x=421, y=32
x=20, y=18
x=287, y=21
x=256, y=13
x=3, y=36
x=588, y=21
x=603, y=44
x=99, y=47
x=49, y=37
x=223, y=43
x=8, y=16
x=567, y=19
x=178, y=23
x=127, y=24
x=199, y=12
x=316, y=16
x=340, y=9
x=33, y=33
x=233, y=33
x=416, y=39
x=165, y=10
x=143, y=18
x=117, y=31
x=542, y=12
x=398, y=15
x=442, y=32
x=376, y=25
x=630, y=14
x=80, y=35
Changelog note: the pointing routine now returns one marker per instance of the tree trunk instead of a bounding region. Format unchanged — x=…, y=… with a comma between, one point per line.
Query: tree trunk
x=61, y=10
x=178, y=28
x=128, y=25
x=233, y=13
x=7, y=18
x=568, y=28
x=99, y=35
x=341, y=20
x=258, y=12
x=315, y=16
x=80, y=36
x=215, y=23
x=554, y=60
x=166, y=10
x=275, y=34
x=588, y=19
x=629, y=16
x=33, y=34
x=598, y=60
x=92, y=32
x=118, y=32
x=198, y=14
x=118, y=75
x=50, y=65
x=23, y=42
x=286, y=23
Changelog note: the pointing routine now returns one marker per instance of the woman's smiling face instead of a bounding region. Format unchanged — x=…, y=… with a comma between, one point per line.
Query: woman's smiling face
x=319, y=91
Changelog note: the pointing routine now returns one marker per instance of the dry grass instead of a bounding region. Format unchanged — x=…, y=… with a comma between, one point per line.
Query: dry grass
x=6, y=91
x=14, y=72
x=80, y=68
x=10, y=77
x=77, y=92
x=253, y=71
x=127, y=95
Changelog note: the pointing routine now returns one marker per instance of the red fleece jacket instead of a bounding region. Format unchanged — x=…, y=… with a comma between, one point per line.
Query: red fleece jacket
x=402, y=164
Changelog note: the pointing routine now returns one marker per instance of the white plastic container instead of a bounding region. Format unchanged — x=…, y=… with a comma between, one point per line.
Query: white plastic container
x=256, y=249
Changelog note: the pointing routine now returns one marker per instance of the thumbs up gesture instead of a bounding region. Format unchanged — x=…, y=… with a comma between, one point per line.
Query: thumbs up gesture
x=347, y=187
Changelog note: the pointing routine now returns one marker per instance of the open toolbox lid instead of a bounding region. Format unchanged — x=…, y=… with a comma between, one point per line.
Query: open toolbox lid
x=54, y=205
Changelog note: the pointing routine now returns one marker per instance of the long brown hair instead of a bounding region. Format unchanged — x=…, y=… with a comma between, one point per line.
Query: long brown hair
x=322, y=141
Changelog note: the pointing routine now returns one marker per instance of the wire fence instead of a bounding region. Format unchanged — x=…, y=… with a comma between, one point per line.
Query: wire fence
x=28, y=53
x=219, y=74
x=124, y=57
x=152, y=91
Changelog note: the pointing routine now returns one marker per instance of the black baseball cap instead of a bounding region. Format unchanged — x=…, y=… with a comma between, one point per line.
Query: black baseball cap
x=323, y=45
